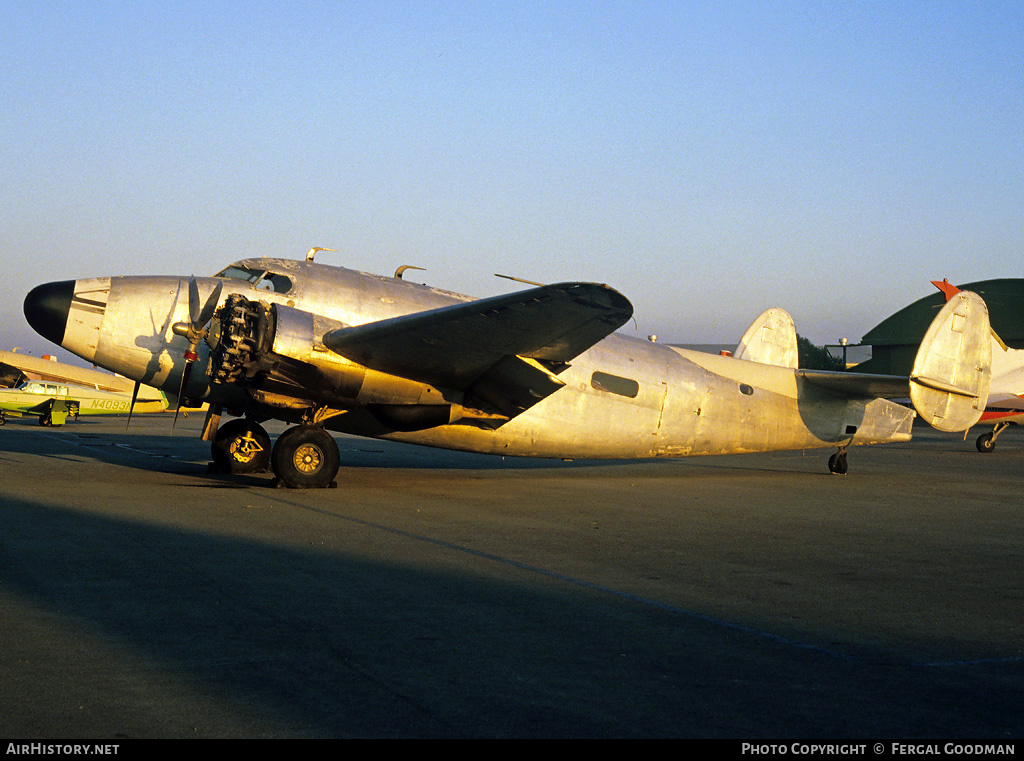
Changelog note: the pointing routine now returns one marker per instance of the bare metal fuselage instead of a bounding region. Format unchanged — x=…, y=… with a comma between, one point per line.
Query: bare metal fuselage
x=662, y=402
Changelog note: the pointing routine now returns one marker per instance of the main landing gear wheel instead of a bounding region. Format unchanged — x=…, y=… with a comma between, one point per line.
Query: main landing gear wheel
x=241, y=446
x=306, y=457
x=837, y=463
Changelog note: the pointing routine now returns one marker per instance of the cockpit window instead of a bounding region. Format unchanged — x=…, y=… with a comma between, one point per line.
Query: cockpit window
x=262, y=280
x=35, y=387
x=240, y=273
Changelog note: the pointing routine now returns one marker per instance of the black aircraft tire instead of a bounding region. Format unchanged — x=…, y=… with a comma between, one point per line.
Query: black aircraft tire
x=241, y=446
x=837, y=463
x=306, y=457
x=986, y=442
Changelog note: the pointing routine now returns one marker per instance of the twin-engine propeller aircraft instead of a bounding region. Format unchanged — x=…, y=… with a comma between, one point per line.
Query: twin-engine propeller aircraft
x=535, y=373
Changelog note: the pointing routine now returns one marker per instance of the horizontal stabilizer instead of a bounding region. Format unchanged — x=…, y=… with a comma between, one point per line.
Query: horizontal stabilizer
x=949, y=383
x=770, y=340
x=866, y=385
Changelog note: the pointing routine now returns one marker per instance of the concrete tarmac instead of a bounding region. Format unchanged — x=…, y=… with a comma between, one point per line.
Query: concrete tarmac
x=440, y=594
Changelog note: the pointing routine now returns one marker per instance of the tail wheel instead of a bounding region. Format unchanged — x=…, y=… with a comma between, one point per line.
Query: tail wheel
x=241, y=446
x=306, y=457
x=986, y=442
x=837, y=463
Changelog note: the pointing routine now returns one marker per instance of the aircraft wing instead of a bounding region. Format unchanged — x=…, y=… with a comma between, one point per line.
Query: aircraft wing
x=499, y=343
x=867, y=385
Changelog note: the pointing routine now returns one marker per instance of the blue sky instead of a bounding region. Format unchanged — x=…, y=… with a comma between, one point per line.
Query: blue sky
x=709, y=160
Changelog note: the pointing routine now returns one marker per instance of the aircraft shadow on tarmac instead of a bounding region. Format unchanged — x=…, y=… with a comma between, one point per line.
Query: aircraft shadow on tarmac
x=158, y=449
x=304, y=642
x=187, y=455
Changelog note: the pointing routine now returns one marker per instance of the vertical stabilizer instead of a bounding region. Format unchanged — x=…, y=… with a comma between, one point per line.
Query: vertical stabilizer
x=770, y=340
x=949, y=384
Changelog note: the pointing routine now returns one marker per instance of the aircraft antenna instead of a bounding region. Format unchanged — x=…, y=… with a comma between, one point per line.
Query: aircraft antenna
x=519, y=279
x=403, y=268
x=312, y=252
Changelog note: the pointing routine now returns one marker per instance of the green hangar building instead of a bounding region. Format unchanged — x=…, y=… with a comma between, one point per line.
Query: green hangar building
x=894, y=341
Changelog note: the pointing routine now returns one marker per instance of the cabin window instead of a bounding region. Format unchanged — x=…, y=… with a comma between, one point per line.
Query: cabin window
x=615, y=384
x=746, y=390
x=274, y=283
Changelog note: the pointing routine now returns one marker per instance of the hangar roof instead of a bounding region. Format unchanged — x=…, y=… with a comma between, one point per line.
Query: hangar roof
x=1005, y=299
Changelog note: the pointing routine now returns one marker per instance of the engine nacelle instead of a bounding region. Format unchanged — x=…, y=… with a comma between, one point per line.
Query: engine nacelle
x=277, y=352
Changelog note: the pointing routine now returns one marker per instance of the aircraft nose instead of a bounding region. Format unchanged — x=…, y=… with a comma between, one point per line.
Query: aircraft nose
x=46, y=309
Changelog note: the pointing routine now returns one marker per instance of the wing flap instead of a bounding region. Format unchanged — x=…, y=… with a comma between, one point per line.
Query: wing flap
x=455, y=346
x=515, y=384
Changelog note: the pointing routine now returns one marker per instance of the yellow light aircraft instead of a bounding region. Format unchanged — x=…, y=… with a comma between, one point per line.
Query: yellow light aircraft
x=53, y=403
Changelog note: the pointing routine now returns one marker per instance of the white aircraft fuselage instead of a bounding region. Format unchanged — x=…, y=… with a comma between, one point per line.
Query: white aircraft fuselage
x=304, y=361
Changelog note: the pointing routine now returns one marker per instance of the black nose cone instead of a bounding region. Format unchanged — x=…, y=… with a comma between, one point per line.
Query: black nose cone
x=46, y=309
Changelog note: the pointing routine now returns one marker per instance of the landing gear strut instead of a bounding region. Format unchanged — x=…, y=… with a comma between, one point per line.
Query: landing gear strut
x=987, y=441
x=837, y=462
x=305, y=457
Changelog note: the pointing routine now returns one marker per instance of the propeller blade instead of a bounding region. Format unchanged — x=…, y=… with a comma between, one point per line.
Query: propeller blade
x=181, y=390
x=193, y=302
x=198, y=319
x=135, y=395
x=198, y=316
x=210, y=306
